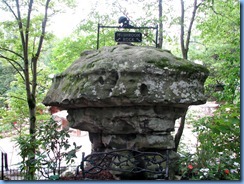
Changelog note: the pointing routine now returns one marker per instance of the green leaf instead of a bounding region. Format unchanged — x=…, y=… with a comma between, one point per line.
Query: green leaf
x=54, y=177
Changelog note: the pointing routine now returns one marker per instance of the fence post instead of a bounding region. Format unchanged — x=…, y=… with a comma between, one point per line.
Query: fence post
x=2, y=171
x=82, y=165
x=4, y=163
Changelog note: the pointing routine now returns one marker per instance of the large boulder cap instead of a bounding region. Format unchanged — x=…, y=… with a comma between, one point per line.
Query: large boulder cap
x=126, y=75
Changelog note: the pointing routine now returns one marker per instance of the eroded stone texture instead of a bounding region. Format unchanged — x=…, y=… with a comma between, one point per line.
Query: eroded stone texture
x=139, y=141
x=125, y=120
x=128, y=96
x=126, y=76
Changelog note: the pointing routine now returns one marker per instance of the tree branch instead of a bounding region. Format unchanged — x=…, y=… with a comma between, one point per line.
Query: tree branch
x=190, y=27
x=11, y=10
x=19, y=20
x=185, y=44
x=25, y=50
x=182, y=33
x=13, y=52
x=44, y=23
x=160, y=16
x=179, y=132
x=13, y=62
x=18, y=98
x=27, y=30
x=36, y=56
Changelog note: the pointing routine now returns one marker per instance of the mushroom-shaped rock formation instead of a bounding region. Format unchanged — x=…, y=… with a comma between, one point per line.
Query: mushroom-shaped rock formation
x=128, y=76
x=128, y=96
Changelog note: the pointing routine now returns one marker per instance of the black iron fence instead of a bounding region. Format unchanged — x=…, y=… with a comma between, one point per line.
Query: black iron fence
x=123, y=161
x=4, y=163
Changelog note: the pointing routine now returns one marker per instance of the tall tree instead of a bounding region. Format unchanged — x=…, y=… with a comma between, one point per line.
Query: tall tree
x=185, y=38
x=160, y=17
x=184, y=50
x=26, y=62
x=30, y=21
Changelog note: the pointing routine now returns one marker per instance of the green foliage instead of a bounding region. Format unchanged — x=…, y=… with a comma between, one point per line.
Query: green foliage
x=68, y=50
x=218, y=154
x=83, y=38
x=16, y=107
x=220, y=35
x=6, y=129
x=218, y=151
x=222, y=23
x=16, y=110
x=6, y=77
x=53, y=148
x=216, y=167
x=221, y=132
x=26, y=146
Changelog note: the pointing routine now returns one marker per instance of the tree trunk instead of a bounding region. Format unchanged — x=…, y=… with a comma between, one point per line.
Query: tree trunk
x=182, y=32
x=29, y=69
x=184, y=50
x=179, y=132
x=185, y=44
x=32, y=131
x=160, y=38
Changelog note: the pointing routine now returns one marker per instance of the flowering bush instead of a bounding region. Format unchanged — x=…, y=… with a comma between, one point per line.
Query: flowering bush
x=192, y=167
x=218, y=152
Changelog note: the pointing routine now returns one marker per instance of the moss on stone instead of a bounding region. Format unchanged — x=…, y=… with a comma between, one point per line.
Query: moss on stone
x=179, y=64
x=127, y=75
x=192, y=68
x=164, y=62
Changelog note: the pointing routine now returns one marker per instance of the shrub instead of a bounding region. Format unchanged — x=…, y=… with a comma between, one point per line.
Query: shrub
x=218, y=152
x=53, y=148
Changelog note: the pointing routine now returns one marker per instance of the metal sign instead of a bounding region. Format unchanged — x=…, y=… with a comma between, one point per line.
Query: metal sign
x=128, y=36
x=124, y=23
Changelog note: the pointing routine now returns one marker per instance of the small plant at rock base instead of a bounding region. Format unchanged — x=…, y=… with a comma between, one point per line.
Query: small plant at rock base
x=25, y=145
x=54, y=148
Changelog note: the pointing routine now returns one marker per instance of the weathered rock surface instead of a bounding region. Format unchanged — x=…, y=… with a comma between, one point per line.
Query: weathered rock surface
x=125, y=120
x=126, y=76
x=128, y=96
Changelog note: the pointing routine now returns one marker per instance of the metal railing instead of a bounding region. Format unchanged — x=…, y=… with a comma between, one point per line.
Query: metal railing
x=14, y=172
x=125, y=160
x=4, y=162
x=132, y=27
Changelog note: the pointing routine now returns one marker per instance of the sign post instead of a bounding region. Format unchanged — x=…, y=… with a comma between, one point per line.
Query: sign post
x=121, y=36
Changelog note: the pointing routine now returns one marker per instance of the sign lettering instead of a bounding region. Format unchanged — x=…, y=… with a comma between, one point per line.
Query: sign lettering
x=128, y=36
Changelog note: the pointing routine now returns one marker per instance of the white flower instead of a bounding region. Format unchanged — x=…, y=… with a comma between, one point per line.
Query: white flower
x=227, y=109
x=236, y=164
x=232, y=157
x=204, y=170
x=233, y=171
x=205, y=173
